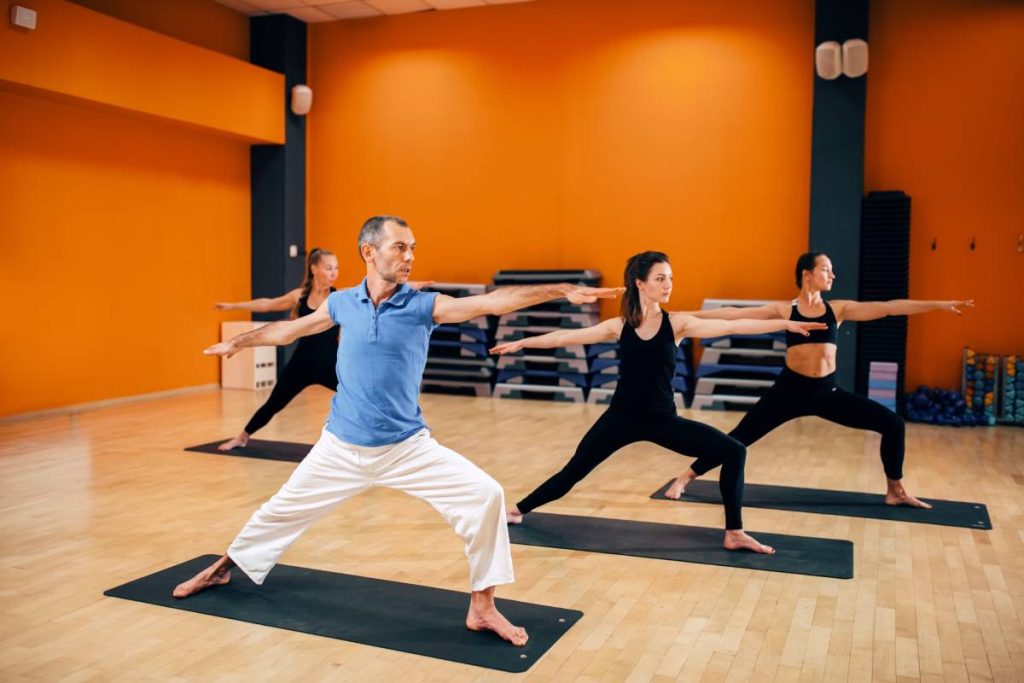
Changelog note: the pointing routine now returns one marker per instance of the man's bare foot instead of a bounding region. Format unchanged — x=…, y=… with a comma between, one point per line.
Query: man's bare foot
x=485, y=617
x=217, y=574
x=239, y=441
x=675, y=491
x=737, y=539
x=513, y=515
x=897, y=495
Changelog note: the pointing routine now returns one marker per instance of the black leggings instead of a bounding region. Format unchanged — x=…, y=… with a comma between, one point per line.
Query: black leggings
x=617, y=428
x=300, y=372
x=795, y=395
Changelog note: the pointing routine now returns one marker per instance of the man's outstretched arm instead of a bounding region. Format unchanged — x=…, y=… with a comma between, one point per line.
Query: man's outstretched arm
x=278, y=333
x=506, y=299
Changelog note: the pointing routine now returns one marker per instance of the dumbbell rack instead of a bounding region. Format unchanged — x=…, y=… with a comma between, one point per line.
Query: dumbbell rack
x=736, y=370
x=457, y=359
x=979, y=383
x=1012, y=381
x=547, y=374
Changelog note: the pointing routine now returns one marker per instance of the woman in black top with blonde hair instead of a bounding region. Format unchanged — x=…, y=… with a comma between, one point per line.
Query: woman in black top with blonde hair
x=643, y=406
x=807, y=384
x=315, y=357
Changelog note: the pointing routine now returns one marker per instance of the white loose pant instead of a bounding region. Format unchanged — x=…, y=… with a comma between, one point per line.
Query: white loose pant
x=334, y=471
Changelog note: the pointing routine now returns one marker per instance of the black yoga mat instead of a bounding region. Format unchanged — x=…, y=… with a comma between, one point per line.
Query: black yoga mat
x=262, y=450
x=844, y=503
x=793, y=554
x=397, y=616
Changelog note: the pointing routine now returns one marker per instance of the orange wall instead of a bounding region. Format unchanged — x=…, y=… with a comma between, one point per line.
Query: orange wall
x=571, y=133
x=77, y=53
x=118, y=233
x=945, y=123
x=200, y=22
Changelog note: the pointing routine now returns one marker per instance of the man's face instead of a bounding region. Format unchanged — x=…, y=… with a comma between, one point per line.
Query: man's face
x=393, y=258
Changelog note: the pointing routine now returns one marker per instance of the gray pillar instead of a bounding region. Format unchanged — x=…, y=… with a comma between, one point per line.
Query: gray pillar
x=837, y=166
x=278, y=172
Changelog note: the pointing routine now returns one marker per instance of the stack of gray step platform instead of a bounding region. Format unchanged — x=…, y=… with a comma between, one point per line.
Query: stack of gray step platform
x=736, y=370
x=457, y=359
x=604, y=372
x=546, y=374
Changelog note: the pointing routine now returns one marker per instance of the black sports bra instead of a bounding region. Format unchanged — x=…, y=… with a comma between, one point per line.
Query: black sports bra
x=830, y=335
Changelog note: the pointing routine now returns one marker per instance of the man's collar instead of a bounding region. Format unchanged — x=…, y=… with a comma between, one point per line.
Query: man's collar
x=398, y=298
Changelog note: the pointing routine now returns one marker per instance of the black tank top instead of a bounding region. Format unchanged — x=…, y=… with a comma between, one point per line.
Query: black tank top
x=317, y=348
x=646, y=369
x=830, y=335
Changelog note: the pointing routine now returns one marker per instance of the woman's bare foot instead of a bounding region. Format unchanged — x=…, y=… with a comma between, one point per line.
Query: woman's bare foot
x=513, y=515
x=483, y=615
x=675, y=491
x=737, y=539
x=897, y=495
x=239, y=441
x=217, y=574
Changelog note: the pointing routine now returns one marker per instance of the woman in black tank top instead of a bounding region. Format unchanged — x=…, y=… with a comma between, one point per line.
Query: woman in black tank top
x=643, y=405
x=807, y=384
x=315, y=357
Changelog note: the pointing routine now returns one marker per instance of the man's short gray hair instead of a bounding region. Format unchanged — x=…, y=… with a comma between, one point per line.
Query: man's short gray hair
x=373, y=230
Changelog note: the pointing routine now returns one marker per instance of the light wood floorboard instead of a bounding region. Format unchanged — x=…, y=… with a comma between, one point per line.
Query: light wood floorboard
x=92, y=500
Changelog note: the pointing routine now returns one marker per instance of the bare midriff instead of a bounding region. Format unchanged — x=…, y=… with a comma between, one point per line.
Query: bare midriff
x=812, y=360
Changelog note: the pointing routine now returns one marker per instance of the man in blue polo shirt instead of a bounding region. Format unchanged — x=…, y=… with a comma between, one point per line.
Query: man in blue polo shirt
x=375, y=434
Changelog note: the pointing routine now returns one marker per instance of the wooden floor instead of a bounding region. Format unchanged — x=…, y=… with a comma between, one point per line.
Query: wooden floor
x=93, y=500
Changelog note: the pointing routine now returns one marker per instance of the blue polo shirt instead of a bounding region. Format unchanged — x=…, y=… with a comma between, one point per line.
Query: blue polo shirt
x=381, y=357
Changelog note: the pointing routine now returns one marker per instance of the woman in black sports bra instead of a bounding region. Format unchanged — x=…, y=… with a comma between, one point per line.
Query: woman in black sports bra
x=315, y=357
x=643, y=406
x=807, y=384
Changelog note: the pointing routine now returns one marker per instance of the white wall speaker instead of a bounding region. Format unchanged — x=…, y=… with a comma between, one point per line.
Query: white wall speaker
x=23, y=17
x=302, y=99
x=828, y=60
x=855, y=58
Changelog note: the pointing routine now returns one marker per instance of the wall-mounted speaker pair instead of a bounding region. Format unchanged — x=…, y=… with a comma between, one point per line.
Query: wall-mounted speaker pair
x=832, y=60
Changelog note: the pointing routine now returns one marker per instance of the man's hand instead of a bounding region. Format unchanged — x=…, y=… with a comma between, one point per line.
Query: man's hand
x=804, y=328
x=507, y=347
x=226, y=349
x=588, y=295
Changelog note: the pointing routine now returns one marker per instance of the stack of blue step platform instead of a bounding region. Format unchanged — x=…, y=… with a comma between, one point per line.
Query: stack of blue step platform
x=548, y=374
x=457, y=360
x=604, y=372
x=736, y=370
